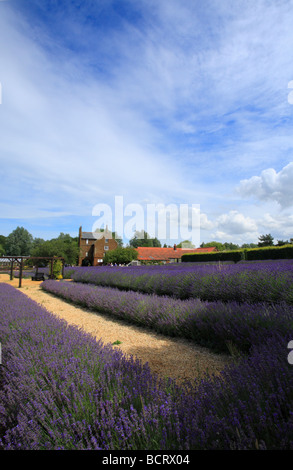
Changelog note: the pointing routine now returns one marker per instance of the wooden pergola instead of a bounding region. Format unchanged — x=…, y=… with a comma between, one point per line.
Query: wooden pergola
x=19, y=260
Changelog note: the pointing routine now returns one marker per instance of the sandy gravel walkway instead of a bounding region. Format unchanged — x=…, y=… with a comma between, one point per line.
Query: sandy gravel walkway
x=167, y=357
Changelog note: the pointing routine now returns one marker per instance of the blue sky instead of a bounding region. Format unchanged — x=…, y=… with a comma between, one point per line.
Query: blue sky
x=158, y=101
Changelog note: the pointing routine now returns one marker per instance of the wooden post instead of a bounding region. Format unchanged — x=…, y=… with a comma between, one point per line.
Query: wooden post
x=11, y=269
x=20, y=272
x=51, y=274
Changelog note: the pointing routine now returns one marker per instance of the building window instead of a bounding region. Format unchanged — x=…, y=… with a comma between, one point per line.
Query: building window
x=86, y=253
x=87, y=242
x=106, y=248
x=106, y=240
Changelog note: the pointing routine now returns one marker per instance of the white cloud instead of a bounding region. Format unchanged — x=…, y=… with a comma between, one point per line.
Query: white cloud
x=280, y=224
x=177, y=107
x=236, y=223
x=205, y=223
x=69, y=141
x=270, y=186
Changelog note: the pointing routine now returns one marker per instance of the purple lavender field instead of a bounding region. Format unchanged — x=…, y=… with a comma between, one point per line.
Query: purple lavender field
x=217, y=325
x=241, y=282
x=61, y=389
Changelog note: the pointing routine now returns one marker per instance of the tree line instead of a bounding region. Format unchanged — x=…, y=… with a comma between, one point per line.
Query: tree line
x=263, y=240
x=21, y=243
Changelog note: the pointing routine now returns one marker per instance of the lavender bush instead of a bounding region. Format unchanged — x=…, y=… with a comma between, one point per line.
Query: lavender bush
x=61, y=389
x=242, y=282
x=213, y=324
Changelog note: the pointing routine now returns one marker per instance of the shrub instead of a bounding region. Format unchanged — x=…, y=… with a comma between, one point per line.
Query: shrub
x=57, y=269
x=249, y=254
x=270, y=253
x=233, y=255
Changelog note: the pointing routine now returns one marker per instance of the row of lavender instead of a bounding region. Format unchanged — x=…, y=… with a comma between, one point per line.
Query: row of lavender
x=217, y=325
x=60, y=389
x=243, y=282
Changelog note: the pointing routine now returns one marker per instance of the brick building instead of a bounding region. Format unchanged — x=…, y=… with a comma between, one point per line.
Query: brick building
x=93, y=246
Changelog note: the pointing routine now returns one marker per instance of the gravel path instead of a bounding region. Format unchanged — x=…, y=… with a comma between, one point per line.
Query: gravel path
x=168, y=357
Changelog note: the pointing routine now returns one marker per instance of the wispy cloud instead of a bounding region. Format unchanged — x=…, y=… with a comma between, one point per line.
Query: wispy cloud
x=164, y=101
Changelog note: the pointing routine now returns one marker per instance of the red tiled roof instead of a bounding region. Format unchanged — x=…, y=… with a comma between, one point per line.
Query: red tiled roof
x=165, y=254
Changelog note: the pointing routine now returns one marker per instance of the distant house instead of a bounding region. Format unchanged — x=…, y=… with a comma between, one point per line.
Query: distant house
x=93, y=246
x=168, y=255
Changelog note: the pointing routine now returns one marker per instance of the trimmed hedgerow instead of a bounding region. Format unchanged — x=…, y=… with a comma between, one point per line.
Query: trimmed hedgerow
x=270, y=253
x=233, y=255
x=248, y=254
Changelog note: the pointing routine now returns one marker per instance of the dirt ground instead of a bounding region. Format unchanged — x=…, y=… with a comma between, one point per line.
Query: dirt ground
x=167, y=357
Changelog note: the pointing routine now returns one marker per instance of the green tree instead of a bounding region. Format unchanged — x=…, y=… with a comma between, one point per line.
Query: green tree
x=266, y=240
x=37, y=242
x=57, y=269
x=2, y=245
x=230, y=246
x=142, y=238
x=64, y=246
x=121, y=255
x=218, y=245
x=19, y=242
x=249, y=245
x=156, y=242
x=185, y=244
x=2, y=240
x=282, y=242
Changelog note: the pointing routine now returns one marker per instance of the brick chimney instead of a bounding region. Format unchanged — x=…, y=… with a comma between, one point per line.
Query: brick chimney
x=175, y=247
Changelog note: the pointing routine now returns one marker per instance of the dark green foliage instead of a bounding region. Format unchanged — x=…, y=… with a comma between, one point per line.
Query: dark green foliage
x=266, y=240
x=272, y=252
x=64, y=246
x=142, y=238
x=253, y=254
x=19, y=242
x=216, y=256
x=121, y=255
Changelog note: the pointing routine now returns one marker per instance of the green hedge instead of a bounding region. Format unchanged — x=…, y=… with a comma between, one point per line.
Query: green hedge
x=270, y=252
x=235, y=255
x=252, y=254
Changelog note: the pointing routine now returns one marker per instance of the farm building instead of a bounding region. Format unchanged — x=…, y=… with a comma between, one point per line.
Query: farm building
x=167, y=255
x=94, y=245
